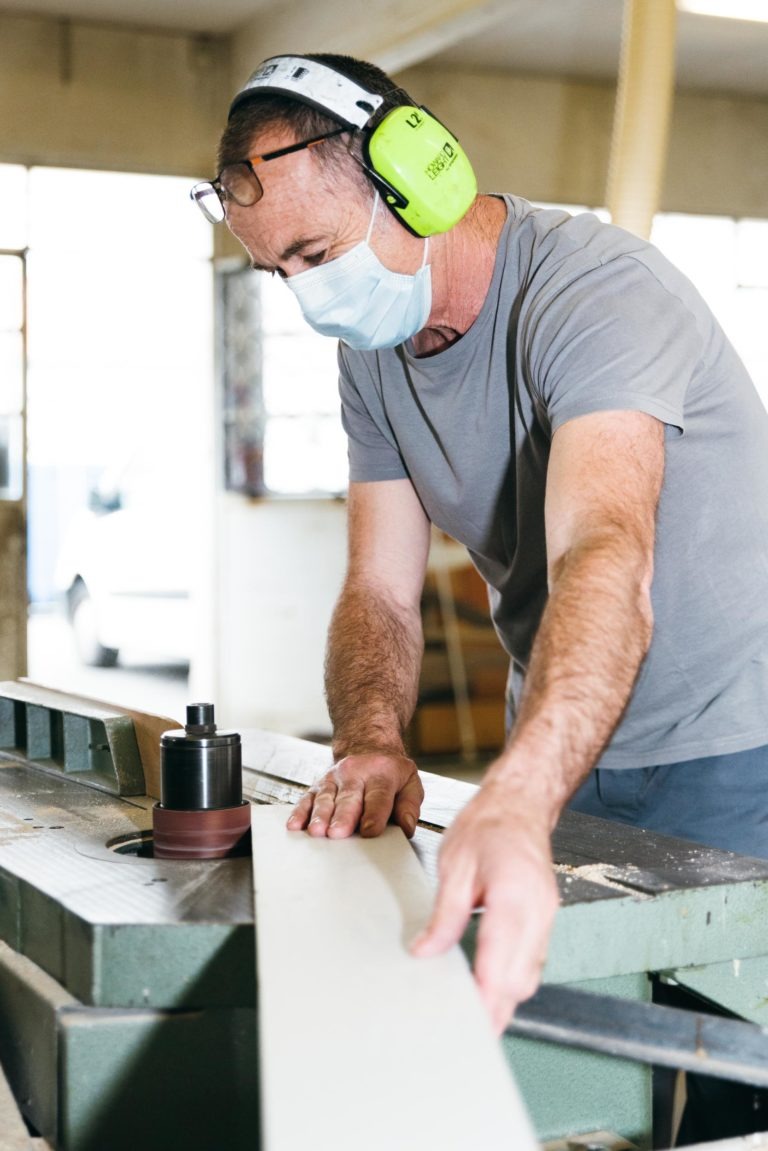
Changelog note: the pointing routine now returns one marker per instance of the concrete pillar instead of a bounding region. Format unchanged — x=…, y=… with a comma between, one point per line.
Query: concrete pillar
x=643, y=114
x=13, y=590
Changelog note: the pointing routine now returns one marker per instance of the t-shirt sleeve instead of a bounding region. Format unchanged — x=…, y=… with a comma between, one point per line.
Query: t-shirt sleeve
x=372, y=448
x=614, y=338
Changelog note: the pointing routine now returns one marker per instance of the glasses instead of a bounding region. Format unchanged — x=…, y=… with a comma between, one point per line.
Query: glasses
x=239, y=182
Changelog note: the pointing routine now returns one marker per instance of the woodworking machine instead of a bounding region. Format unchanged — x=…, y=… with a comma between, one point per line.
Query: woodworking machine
x=127, y=981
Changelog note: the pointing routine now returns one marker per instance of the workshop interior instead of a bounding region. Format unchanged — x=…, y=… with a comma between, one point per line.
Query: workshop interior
x=173, y=477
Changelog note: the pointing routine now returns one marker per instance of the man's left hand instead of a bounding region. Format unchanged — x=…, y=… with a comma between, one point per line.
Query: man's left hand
x=362, y=791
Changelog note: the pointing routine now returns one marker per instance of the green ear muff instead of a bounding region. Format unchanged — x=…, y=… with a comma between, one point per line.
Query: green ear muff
x=425, y=175
x=420, y=168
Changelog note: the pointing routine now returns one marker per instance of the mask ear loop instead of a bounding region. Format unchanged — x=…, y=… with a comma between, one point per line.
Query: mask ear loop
x=376, y=199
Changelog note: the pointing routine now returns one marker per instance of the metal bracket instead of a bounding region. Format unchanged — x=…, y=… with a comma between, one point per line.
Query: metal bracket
x=86, y=742
x=647, y=1033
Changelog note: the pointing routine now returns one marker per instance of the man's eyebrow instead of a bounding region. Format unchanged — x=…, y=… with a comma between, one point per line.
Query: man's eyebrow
x=299, y=246
x=292, y=250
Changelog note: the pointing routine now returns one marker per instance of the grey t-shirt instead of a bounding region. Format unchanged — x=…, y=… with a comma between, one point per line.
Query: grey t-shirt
x=583, y=317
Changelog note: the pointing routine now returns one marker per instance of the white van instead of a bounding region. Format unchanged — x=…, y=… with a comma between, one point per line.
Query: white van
x=124, y=568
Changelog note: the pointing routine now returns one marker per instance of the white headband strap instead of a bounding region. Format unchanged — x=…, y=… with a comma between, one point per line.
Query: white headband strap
x=312, y=83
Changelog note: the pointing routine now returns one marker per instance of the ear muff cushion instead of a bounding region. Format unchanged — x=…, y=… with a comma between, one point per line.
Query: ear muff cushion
x=411, y=150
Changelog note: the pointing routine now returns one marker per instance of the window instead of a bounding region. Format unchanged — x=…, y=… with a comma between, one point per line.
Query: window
x=13, y=239
x=12, y=323
x=119, y=336
x=304, y=446
x=282, y=428
x=120, y=319
x=282, y=424
x=728, y=262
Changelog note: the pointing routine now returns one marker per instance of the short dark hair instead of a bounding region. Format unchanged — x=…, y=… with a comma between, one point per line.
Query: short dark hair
x=263, y=111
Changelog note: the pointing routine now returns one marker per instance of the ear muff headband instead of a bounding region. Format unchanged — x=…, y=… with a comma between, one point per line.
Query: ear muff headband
x=422, y=171
x=312, y=83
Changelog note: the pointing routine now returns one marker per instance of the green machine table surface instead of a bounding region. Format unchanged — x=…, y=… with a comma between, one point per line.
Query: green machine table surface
x=632, y=903
x=127, y=983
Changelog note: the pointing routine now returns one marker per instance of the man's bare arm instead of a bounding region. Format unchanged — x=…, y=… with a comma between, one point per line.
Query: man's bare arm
x=375, y=641
x=603, y=487
x=372, y=668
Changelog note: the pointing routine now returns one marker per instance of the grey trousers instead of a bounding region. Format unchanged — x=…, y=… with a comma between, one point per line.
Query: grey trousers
x=720, y=801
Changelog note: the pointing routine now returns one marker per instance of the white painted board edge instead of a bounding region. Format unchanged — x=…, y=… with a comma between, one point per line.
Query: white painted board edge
x=362, y=1045
x=13, y=1131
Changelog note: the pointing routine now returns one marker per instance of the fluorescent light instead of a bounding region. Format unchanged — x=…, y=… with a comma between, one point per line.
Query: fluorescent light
x=755, y=10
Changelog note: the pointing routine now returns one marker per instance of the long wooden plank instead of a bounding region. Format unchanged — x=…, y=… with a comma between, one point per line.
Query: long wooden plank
x=743, y=1143
x=595, y=859
x=361, y=1044
x=13, y=1130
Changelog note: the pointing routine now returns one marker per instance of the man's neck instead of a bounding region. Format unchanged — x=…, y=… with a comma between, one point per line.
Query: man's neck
x=462, y=268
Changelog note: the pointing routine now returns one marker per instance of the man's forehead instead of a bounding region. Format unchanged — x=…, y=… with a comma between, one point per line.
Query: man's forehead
x=282, y=226
x=270, y=137
x=304, y=202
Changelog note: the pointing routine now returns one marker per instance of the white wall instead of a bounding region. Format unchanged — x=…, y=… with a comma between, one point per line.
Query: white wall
x=548, y=138
x=88, y=95
x=93, y=96
x=78, y=94
x=280, y=564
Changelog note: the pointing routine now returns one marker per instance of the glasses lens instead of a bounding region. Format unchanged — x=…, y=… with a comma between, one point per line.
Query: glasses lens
x=207, y=199
x=241, y=184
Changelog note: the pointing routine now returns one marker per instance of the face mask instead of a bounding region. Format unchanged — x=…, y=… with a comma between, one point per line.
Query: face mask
x=358, y=300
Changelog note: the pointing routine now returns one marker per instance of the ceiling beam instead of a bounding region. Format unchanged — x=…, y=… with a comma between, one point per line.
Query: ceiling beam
x=395, y=34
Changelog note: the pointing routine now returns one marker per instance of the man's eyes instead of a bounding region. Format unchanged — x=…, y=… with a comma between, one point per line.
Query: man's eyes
x=310, y=258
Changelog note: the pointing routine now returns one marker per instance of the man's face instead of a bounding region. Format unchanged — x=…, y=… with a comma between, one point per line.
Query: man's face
x=311, y=213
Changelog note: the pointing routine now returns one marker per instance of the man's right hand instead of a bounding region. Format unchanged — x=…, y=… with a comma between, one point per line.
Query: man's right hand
x=496, y=855
x=364, y=792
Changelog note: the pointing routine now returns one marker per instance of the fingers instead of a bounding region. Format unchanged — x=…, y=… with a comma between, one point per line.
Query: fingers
x=302, y=812
x=323, y=808
x=336, y=809
x=488, y=859
x=511, y=945
x=378, y=803
x=315, y=811
x=347, y=812
x=453, y=907
x=510, y=955
x=361, y=791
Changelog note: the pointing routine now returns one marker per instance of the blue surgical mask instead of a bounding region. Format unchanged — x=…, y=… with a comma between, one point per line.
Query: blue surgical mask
x=358, y=300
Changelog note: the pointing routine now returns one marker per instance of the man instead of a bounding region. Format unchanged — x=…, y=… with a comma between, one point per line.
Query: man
x=553, y=394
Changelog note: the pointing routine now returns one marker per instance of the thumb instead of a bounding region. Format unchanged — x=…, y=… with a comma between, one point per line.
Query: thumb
x=408, y=805
x=453, y=907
